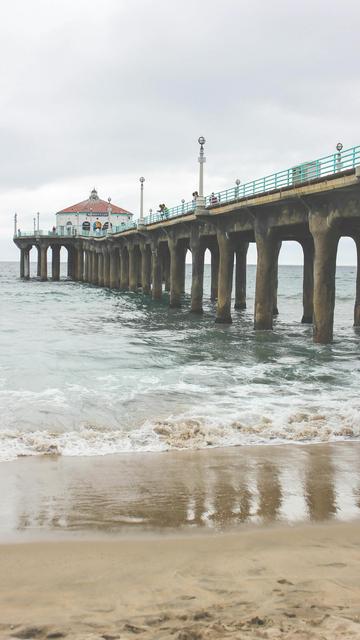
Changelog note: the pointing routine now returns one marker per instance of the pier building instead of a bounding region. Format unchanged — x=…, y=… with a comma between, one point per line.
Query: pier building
x=84, y=216
x=314, y=204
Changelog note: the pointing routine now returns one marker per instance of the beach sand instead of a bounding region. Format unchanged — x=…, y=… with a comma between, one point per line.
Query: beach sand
x=272, y=582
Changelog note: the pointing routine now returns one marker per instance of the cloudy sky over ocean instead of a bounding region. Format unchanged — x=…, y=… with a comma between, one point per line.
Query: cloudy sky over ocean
x=99, y=93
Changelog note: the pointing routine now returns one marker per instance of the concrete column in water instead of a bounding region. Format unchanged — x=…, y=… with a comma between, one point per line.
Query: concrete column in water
x=182, y=258
x=95, y=268
x=276, y=278
x=156, y=275
x=357, y=299
x=325, y=245
x=267, y=251
x=124, y=269
x=114, y=268
x=55, y=262
x=226, y=267
x=43, y=270
x=308, y=280
x=80, y=264
x=240, y=274
x=38, y=269
x=27, y=264
x=175, y=273
x=22, y=262
x=145, y=268
x=106, y=257
x=214, y=251
x=100, y=270
x=197, y=278
x=71, y=262
x=133, y=271
x=166, y=268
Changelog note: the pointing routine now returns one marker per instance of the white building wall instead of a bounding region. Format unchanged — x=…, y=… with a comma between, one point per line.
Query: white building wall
x=76, y=220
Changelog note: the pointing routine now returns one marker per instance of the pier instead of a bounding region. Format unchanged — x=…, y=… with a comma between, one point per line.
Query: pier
x=314, y=204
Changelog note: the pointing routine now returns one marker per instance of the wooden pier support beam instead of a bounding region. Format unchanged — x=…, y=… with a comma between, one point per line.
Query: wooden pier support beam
x=325, y=245
x=308, y=281
x=55, y=262
x=226, y=268
x=240, y=275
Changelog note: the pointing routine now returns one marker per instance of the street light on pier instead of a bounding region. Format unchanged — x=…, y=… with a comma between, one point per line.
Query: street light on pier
x=339, y=147
x=141, y=219
x=200, y=200
x=15, y=224
x=109, y=215
x=34, y=220
x=182, y=205
x=237, y=182
x=38, y=221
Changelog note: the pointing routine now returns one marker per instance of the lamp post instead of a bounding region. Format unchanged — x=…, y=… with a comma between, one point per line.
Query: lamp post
x=182, y=205
x=200, y=200
x=339, y=147
x=38, y=221
x=109, y=215
x=141, y=219
x=237, y=182
x=34, y=220
x=15, y=224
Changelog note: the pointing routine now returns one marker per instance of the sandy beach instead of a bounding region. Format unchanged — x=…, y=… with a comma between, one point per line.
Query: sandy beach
x=300, y=582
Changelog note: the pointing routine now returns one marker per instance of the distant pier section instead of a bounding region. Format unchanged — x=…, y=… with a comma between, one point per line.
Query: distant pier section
x=314, y=204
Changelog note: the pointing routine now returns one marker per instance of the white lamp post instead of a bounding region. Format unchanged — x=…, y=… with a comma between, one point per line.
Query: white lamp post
x=15, y=224
x=34, y=220
x=141, y=219
x=200, y=200
x=109, y=215
x=182, y=205
x=339, y=147
x=38, y=221
x=237, y=182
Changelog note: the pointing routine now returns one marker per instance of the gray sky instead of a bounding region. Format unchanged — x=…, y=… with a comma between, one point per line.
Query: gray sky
x=98, y=93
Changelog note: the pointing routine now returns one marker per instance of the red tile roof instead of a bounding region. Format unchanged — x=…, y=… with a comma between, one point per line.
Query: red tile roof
x=93, y=205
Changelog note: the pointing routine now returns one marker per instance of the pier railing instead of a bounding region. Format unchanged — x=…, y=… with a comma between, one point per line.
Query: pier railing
x=299, y=174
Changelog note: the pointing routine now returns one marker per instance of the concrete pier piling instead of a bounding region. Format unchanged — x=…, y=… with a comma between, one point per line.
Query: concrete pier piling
x=151, y=257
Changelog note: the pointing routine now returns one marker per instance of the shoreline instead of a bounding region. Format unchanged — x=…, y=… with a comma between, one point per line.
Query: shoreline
x=299, y=580
x=216, y=490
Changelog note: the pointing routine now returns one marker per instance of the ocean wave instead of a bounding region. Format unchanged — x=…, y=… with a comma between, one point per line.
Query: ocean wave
x=182, y=432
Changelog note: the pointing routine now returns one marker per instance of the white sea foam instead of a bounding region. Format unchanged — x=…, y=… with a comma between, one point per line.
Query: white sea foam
x=182, y=432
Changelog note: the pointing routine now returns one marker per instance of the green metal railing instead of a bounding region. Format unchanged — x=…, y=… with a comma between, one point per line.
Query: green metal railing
x=313, y=170
x=293, y=177
x=181, y=210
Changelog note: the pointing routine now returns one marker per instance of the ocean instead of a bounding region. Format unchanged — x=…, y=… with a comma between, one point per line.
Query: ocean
x=86, y=371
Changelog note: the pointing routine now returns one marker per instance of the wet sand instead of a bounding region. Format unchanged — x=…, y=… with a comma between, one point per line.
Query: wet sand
x=300, y=582
x=213, y=489
x=255, y=542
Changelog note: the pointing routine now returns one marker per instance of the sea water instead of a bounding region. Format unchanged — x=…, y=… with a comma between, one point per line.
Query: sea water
x=86, y=371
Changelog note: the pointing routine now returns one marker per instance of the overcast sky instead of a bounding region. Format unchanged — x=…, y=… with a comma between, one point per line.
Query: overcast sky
x=98, y=93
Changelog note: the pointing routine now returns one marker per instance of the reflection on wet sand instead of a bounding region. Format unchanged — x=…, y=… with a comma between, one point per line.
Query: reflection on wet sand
x=217, y=488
